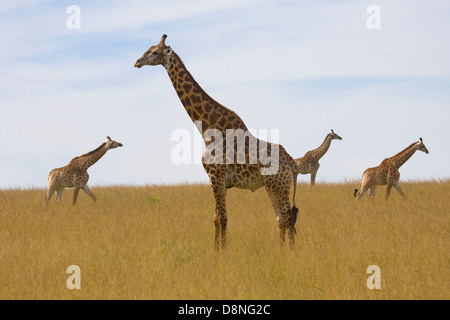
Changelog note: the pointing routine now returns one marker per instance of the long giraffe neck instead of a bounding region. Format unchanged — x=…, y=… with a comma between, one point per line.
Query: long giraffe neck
x=400, y=158
x=320, y=151
x=198, y=104
x=88, y=159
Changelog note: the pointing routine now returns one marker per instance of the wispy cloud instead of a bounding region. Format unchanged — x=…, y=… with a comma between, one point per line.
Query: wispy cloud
x=6, y=5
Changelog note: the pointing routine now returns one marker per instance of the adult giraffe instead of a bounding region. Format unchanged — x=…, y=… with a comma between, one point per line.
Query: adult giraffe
x=243, y=167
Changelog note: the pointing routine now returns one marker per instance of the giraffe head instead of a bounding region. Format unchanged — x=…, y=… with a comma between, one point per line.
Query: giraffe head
x=333, y=135
x=111, y=144
x=156, y=55
x=421, y=146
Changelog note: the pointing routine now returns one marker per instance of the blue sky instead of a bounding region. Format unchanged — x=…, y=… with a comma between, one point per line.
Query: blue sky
x=302, y=67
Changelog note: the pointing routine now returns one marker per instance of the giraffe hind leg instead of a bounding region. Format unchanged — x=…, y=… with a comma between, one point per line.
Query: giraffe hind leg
x=355, y=192
x=286, y=216
x=51, y=190
x=363, y=190
x=372, y=191
x=220, y=222
x=59, y=193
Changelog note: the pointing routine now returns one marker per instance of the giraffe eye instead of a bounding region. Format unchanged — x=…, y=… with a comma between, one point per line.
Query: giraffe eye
x=155, y=53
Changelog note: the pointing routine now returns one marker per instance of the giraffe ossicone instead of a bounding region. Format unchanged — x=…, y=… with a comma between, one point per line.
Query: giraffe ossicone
x=74, y=175
x=239, y=168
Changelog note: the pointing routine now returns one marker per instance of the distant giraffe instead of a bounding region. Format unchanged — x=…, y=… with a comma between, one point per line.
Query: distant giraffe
x=212, y=116
x=387, y=172
x=75, y=175
x=309, y=163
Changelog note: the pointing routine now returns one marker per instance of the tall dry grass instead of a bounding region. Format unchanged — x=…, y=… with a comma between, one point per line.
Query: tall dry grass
x=156, y=242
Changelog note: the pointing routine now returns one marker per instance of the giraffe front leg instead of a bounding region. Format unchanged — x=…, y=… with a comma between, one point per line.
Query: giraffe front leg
x=313, y=178
x=314, y=174
x=388, y=190
x=220, y=217
x=397, y=187
x=216, y=173
x=76, y=189
x=89, y=193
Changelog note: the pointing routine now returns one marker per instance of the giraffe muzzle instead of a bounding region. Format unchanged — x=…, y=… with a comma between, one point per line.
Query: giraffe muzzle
x=138, y=64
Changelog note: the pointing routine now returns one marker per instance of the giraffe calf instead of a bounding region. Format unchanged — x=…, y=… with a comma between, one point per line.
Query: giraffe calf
x=309, y=163
x=75, y=175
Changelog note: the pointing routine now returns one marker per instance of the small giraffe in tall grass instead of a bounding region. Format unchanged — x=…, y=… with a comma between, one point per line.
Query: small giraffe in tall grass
x=309, y=163
x=387, y=172
x=75, y=175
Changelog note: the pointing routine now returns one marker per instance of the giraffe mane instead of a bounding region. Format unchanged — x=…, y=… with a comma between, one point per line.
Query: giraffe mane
x=89, y=153
x=202, y=91
x=191, y=78
x=404, y=150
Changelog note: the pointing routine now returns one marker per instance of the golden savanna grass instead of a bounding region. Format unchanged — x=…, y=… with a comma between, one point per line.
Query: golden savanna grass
x=156, y=242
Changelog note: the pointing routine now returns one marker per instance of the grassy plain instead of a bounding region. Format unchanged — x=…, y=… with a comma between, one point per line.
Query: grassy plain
x=156, y=242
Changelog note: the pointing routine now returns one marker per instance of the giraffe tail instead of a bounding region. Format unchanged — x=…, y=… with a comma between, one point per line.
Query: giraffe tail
x=356, y=192
x=294, y=208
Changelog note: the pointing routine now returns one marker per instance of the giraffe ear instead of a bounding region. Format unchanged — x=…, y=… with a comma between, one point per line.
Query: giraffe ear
x=168, y=50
